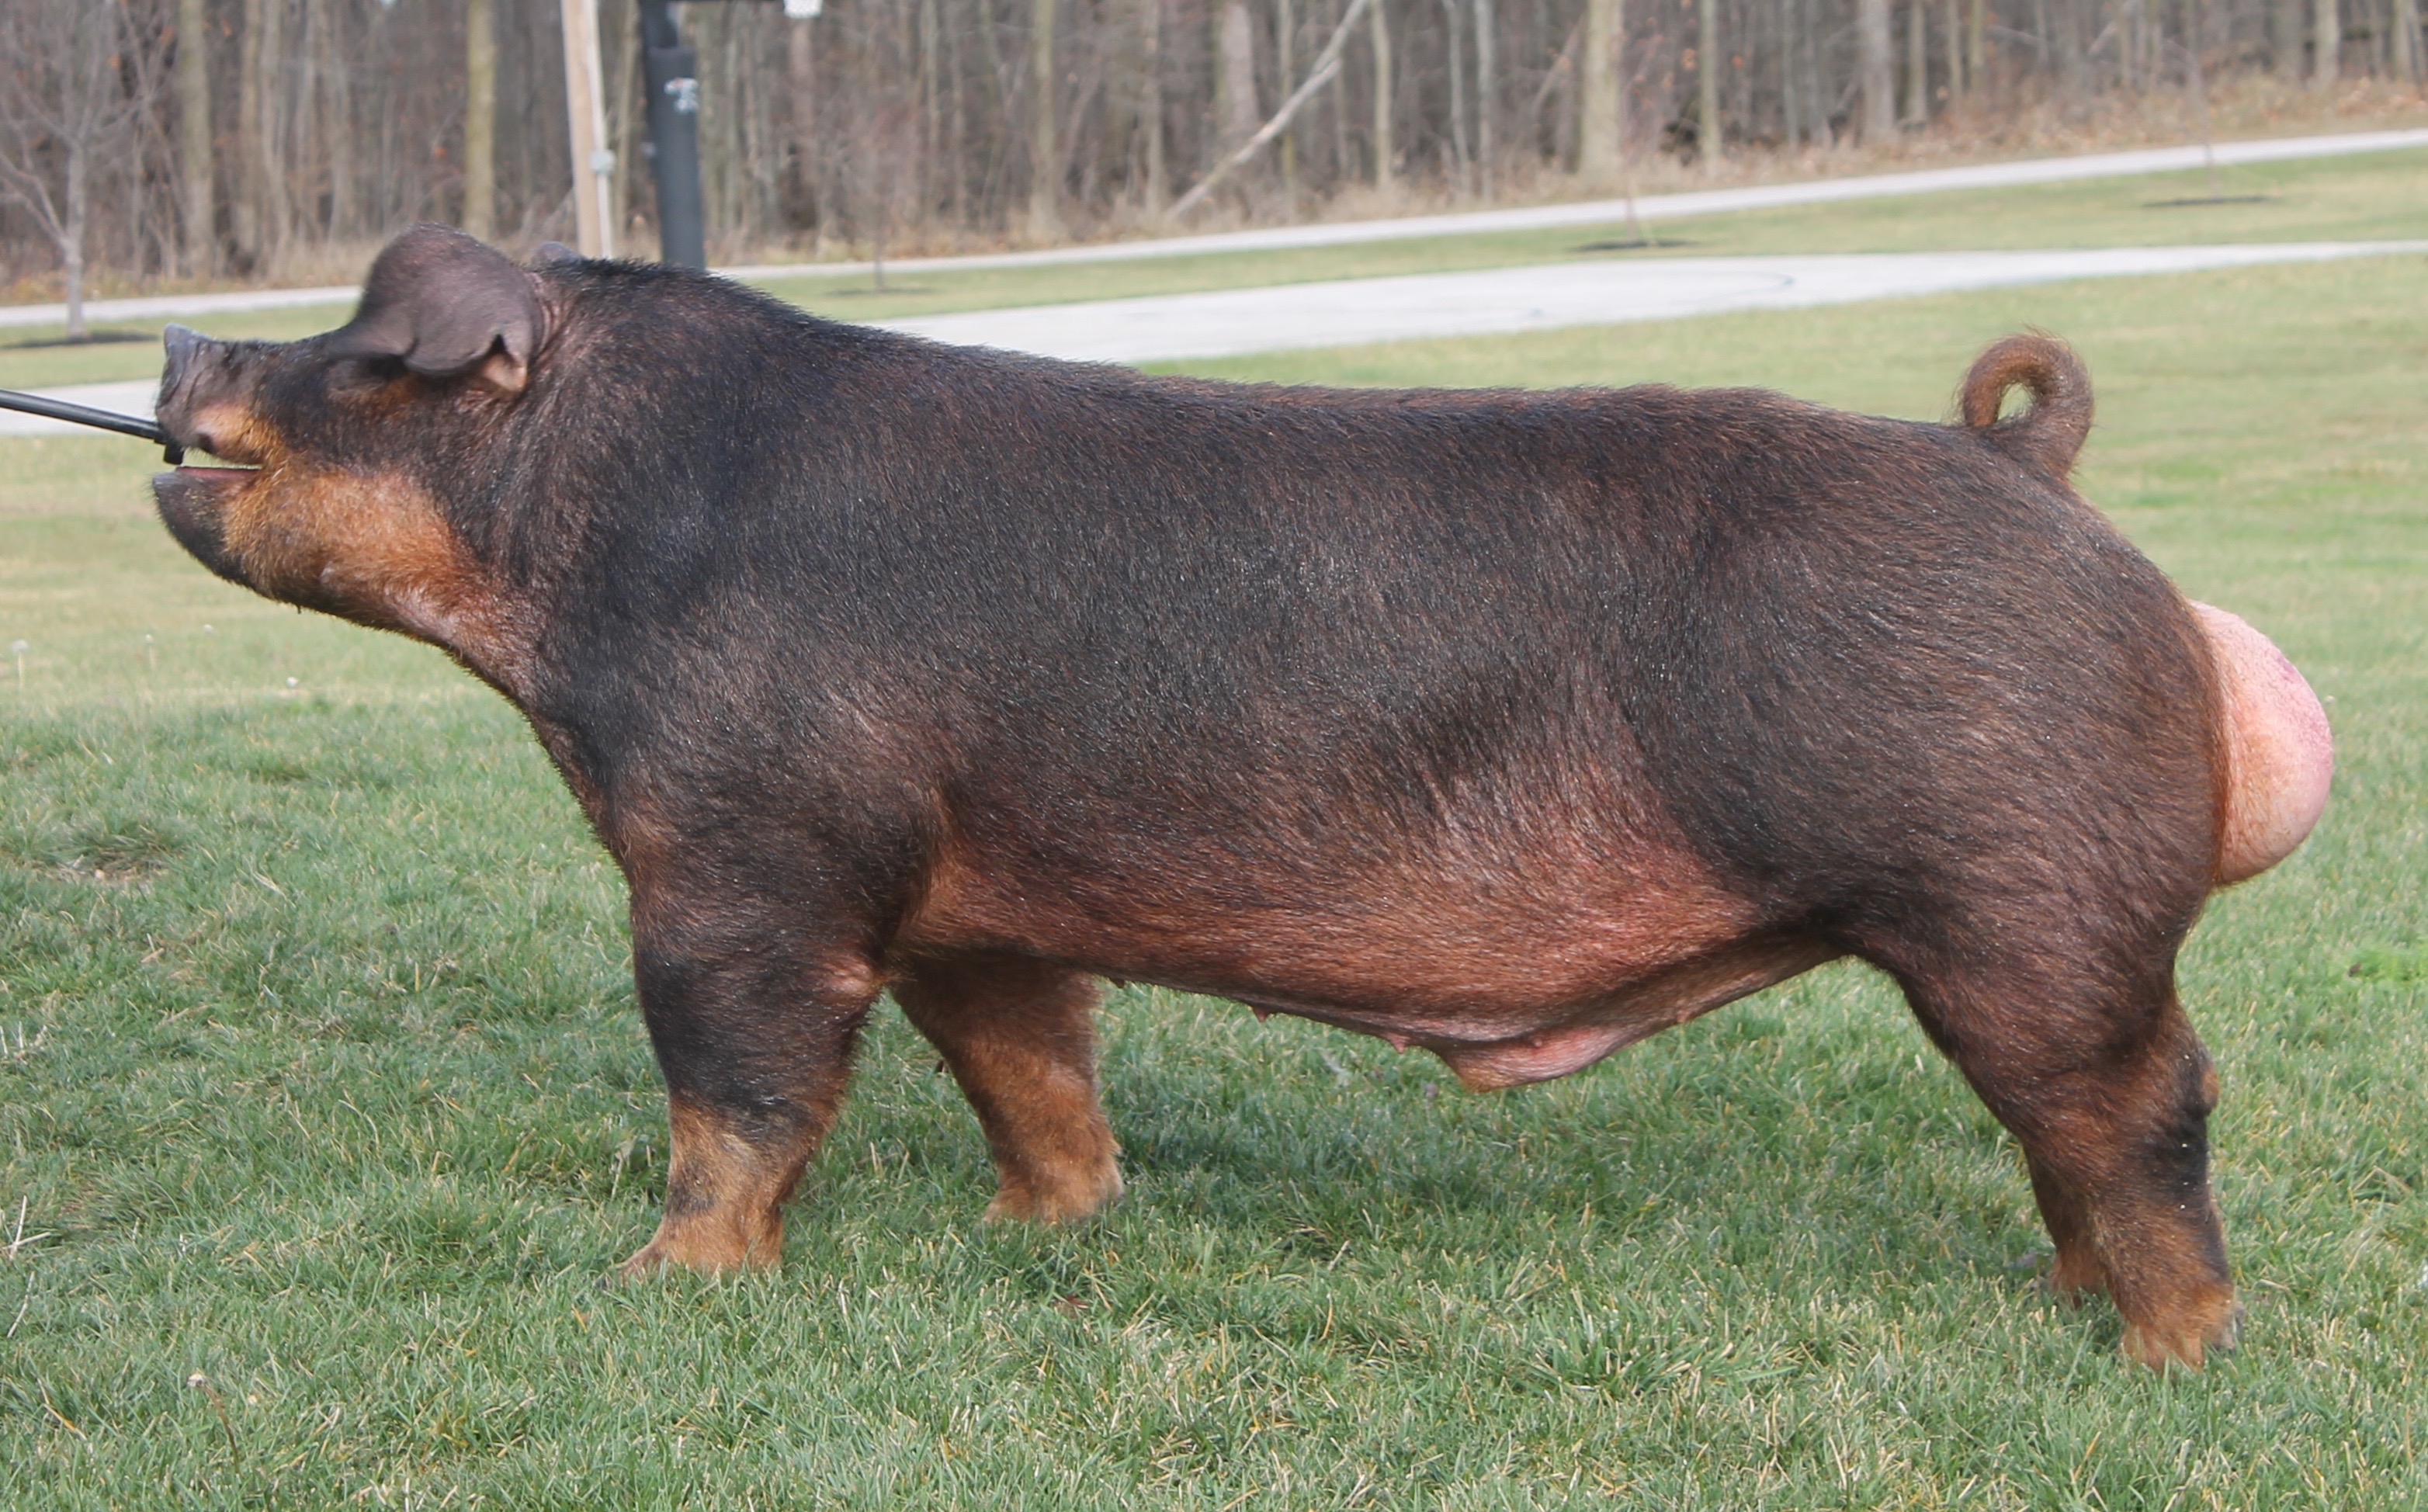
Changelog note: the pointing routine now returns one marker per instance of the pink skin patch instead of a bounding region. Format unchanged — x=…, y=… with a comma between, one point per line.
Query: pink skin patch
x=2279, y=754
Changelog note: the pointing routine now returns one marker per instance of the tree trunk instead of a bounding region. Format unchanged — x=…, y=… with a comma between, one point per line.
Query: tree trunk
x=1235, y=77
x=957, y=164
x=1158, y=175
x=2286, y=38
x=1462, y=164
x=337, y=99
x=1597, y=127
x=1284, y=53
x=802, y=81
x=1956, y=83
x=276, y=200
x=1487, y=95
x=72, y=242
x=1977, y=44
x=1709, y=142
x=2406, y=41
x=481, y=120
x=194, y=137
x=1386, y=154
x=2327, y=61
x=1044, y=158
x=245, y=206
x=931, y=94
x=2065, y=40
x=1791, y=115
x=1918, y=64
x=1877, y=80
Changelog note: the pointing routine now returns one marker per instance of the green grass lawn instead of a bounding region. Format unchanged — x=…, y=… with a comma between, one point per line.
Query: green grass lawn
x=321, y=1080
x=2373, y=196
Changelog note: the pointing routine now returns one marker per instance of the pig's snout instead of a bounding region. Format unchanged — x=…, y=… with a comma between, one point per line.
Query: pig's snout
x=190, y=499
x=192, y=374
x=179, y=345
x=181, y=342
x=2280, y=758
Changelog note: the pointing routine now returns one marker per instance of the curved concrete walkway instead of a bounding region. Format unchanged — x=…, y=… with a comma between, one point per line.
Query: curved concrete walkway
x=1352, y=311
x=1349, y=312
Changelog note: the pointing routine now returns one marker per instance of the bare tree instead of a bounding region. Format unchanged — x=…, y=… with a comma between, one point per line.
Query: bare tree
x=1598, y=134
x=1386, y=151
x=480, y=118
x=1158, y=186
x=1709, y=143
x=244, y=209
x=1955, y=39
x=1878, y=84
x=80, y=77
x=195, y=136
x=1918, y=64
x=1044, y=149
x=1488, y=96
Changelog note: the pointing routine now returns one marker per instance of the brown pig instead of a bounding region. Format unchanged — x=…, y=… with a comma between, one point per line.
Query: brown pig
x=1515, y=726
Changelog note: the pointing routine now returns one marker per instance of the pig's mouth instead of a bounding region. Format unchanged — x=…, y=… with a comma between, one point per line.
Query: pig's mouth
x=190, y=502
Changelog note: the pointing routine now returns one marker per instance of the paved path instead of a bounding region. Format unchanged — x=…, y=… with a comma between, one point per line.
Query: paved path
x=1606, y=292
x=1336, y=234
x=1347, y=312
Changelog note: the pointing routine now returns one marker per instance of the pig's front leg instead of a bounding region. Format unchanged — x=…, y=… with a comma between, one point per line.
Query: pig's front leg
x=753, y=1019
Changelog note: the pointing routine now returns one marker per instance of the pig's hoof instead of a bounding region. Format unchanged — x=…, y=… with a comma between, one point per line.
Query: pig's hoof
x=1071, y=1201
x=2186, y=1341
x=707, y=1251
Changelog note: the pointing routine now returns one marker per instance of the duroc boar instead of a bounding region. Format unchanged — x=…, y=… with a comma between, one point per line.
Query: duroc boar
x=1515, y=726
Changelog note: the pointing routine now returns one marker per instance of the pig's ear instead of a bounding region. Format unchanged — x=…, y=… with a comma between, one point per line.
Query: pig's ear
x=552, y=252
x=445, y=305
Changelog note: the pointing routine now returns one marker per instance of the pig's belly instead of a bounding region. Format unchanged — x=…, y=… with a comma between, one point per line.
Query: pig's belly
x=1511, y=974
x=1527, y=1041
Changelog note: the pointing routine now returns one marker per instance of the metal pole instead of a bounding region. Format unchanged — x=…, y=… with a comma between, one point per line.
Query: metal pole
x=671, y=72
x=102, y=420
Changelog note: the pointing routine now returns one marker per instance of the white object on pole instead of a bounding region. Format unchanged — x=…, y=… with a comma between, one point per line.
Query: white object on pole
x=803, y=10
x=594, y=206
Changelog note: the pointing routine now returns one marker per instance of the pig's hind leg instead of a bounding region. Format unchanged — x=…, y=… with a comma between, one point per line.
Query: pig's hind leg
x=2101, y=1078
x=1020, y=1038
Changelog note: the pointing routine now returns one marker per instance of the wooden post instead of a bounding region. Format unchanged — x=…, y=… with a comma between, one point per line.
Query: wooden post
x=594, y=165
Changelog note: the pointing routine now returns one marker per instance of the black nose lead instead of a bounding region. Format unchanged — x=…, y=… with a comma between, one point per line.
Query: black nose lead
x=100, y=420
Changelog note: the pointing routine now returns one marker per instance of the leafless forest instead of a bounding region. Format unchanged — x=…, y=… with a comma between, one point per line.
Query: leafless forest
x=196, y=138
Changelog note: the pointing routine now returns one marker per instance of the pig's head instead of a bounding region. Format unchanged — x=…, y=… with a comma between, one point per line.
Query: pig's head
x=350, y=451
